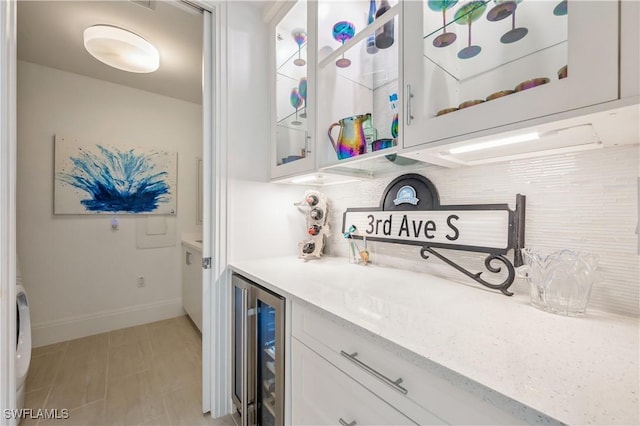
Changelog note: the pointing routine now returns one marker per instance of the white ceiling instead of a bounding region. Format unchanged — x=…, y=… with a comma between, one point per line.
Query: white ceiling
x=50, y=34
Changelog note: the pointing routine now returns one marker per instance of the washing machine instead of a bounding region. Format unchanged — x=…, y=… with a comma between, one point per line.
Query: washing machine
x=23, y=343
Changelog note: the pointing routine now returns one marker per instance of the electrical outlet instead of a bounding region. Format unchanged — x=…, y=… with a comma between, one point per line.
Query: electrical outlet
x=141, y=282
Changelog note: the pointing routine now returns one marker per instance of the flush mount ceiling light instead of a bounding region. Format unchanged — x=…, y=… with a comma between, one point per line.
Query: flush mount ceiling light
x=121, y=49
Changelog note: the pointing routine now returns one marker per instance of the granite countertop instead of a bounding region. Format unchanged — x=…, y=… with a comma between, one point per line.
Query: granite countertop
x=580, y=370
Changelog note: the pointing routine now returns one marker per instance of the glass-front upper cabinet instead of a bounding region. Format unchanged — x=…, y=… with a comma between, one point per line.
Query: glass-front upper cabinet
x=480, y=64
x=358, y=91
x=292, y=110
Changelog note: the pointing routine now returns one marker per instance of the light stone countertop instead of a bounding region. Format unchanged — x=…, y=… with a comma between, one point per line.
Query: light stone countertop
x=193, y=241
x=580, y=370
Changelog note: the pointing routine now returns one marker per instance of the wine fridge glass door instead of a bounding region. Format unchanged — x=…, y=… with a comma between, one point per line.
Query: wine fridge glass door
x=269, y=359
x=266, y=364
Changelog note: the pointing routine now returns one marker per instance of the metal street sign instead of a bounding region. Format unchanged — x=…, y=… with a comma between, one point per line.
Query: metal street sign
x=410, y=213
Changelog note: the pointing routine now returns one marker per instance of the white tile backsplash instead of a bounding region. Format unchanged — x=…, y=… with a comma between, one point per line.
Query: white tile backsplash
x=586, y=201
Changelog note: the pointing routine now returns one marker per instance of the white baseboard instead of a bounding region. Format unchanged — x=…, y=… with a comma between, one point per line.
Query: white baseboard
x=101, y=322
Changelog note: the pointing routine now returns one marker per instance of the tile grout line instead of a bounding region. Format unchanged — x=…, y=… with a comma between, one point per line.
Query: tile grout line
x=153, y=362
x=146, y=330
x=55, y=376
x=103, y=399
x=106, y=379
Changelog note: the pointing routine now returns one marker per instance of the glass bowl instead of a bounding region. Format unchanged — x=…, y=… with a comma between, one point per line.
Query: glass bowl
x=560, y=282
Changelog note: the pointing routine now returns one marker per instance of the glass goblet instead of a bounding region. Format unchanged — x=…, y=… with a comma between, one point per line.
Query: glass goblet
x=296, y=101
x=302, y=90
x=300, y=37
x=445, y=39
x=468, y=13
x=343, y=31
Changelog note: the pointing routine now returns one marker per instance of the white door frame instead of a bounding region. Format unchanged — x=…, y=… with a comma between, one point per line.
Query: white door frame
x=216, y=334
x=216, y=376
x=7, y=209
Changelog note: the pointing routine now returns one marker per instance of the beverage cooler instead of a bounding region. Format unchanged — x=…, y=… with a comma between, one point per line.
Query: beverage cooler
x=258, y=354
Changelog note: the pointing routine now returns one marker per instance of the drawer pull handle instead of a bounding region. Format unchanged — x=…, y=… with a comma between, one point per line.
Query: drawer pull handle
x=343, y=423
x=394, y=384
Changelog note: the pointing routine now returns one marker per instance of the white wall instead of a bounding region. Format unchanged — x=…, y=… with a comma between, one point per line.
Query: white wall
x=262, y=220
x=80, y=274
x=585, y=201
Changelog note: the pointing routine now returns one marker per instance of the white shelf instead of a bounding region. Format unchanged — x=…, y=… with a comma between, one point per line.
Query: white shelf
x=271, y=352
x=271, y=366
x=545, y=30
x=286, y=121
x=287, y=68
x=375, y=164
x=269, y=404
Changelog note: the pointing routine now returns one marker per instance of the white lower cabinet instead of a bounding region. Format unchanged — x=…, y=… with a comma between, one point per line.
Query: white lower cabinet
x=339, y=365
x=322, y=394
x=192, y=284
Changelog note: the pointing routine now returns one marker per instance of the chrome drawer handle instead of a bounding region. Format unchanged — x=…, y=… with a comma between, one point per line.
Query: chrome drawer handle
x=343, y=423
x=393, y=383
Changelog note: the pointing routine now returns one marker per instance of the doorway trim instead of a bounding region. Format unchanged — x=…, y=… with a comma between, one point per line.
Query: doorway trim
x=216, y=376
x=8, y=54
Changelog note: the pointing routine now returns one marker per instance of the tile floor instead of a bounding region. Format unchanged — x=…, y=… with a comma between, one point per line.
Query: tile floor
x=144, y=375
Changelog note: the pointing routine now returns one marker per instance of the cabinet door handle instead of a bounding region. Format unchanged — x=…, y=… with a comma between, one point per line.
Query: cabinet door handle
x=187, y=258
x=409, y=96
x=307, y=138
x=395, y=384
x=343, y=423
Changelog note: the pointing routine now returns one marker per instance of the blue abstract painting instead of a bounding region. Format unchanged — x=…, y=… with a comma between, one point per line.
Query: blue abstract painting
x=105, y=179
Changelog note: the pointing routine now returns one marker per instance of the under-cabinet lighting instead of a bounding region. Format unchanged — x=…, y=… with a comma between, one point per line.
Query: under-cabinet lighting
x=495, y=143
x=305, y=179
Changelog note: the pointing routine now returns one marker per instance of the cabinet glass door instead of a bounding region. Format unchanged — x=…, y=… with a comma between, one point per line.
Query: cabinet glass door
x=358, y=59
x=291, y=150
x=477, y=64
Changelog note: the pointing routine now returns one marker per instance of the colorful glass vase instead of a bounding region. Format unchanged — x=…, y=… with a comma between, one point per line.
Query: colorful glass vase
x=394, y=125
x=371, y=40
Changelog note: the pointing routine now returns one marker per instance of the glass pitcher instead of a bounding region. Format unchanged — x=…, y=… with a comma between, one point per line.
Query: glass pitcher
x=560, y=282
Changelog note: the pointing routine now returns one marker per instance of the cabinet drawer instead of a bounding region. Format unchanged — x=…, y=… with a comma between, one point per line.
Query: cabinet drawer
x=322, y=394
x=426, y=393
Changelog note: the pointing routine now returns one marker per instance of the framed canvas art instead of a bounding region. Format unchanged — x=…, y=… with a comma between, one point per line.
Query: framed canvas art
x=100, y=178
